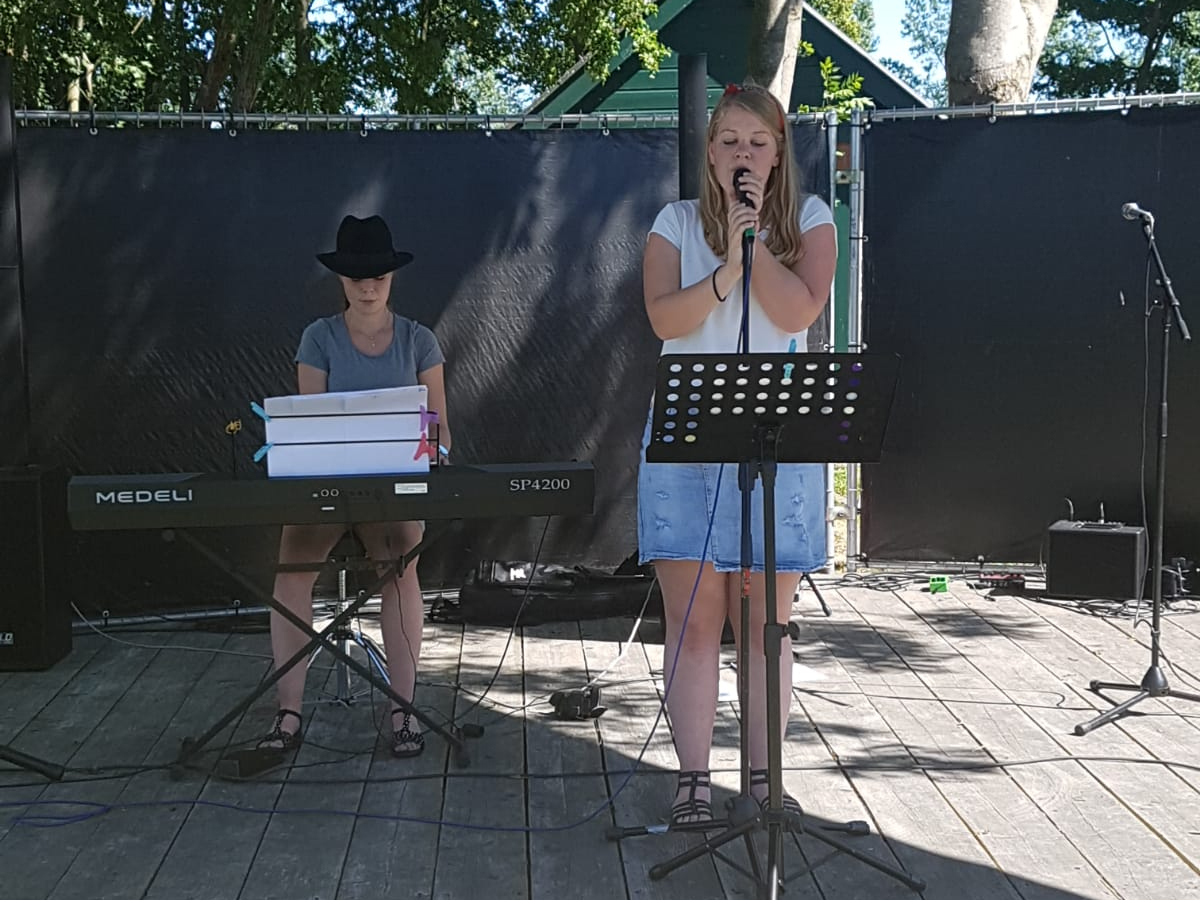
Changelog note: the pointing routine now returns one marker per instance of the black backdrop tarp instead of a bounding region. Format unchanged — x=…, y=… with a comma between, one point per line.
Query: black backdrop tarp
x=169, y=274
x=996, y=257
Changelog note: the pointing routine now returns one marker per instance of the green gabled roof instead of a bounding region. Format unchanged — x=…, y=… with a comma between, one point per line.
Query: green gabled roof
x=717, y=28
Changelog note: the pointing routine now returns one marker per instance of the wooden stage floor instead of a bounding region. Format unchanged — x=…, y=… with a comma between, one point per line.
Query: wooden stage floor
x=944, y=720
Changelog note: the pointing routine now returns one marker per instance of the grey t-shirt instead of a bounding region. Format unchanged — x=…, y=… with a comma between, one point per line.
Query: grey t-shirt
x=326, y=345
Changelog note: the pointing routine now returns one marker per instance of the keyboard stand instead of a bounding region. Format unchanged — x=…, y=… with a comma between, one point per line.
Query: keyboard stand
x=326, y=639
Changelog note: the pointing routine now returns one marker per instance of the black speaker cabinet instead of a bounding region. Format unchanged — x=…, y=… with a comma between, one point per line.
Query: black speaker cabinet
x=35, y=611
x=1096, y=561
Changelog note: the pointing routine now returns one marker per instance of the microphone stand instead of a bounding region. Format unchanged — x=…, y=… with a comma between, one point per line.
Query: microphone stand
x=743, y=808
x=1154, y=683
x=747, y=262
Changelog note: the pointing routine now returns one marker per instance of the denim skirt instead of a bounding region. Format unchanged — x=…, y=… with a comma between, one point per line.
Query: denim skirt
x=694, y=511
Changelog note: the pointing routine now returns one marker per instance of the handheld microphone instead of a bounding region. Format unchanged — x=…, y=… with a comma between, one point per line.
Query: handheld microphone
x=742, y=196
x=1133, y=212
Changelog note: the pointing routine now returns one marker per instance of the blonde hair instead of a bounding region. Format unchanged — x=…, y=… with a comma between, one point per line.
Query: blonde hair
x=781, y=202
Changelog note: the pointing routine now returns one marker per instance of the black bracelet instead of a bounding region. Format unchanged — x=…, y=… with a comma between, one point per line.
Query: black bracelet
x=720, y=299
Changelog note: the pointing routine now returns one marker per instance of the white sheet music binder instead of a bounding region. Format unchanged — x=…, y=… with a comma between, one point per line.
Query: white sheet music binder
x=384, y=431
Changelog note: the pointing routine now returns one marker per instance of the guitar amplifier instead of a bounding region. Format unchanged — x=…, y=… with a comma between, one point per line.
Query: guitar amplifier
x=1096, y=561
x=35, y=612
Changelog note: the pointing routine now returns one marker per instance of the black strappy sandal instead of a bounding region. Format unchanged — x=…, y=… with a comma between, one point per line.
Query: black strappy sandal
x=278, y=739
x=693, y=810
x=758, y=777
x=406, y=743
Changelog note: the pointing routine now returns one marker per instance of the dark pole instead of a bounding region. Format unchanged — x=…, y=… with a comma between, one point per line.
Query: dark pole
x=14, y=368
x=1154, y=683
x=693, y=121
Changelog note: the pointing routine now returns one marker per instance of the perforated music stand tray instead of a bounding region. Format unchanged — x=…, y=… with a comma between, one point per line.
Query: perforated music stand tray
x=823, y=407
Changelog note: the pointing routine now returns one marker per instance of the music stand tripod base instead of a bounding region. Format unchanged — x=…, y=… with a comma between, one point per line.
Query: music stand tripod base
x=759, y=410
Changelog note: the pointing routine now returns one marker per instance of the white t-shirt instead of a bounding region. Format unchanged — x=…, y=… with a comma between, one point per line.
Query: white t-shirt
x=679, y=223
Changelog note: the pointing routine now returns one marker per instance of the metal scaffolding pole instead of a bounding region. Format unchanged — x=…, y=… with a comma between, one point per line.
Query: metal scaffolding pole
x=853, y=316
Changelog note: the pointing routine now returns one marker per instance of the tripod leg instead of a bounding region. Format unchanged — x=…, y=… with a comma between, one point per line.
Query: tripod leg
x=32, y=763
x=812, y=584
x=1115, y=712
x=879, y=865
x=663, y=869
x=1111, y=686
x=375, y=656
x=774, y=877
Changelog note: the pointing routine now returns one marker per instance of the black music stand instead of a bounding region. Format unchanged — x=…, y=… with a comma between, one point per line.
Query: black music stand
x=759, y=410
x=325, y=639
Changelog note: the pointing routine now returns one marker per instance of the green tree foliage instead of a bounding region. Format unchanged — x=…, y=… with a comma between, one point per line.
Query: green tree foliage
x=319, y=56
x=842, y=93
x=856, y=18
x=1106, y=47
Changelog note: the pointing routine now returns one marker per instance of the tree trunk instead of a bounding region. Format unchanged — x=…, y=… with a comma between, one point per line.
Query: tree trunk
x=221, y=60
x=1154, y=38
x=993, y=48
x=74, y=89
x=254, y=52
x=303, y=87
x=180, y=36
x=774, y=37
x=156, y=85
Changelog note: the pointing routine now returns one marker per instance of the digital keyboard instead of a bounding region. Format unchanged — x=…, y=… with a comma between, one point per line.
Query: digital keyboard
x=191, y=500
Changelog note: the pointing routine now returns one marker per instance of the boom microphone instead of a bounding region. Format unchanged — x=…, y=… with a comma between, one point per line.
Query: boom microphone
x=1133, y=212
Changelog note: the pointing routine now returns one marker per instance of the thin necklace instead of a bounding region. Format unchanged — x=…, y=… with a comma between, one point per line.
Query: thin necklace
x=371, y=338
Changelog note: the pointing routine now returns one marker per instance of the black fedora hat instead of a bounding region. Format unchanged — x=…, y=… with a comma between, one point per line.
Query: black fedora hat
x=364, y=249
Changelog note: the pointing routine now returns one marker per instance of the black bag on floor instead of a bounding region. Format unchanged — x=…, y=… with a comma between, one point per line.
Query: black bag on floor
x=496, y=592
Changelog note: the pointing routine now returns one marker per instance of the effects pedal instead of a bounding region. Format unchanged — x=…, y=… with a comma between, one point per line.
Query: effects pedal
x=1007, y=580
x=577, y=705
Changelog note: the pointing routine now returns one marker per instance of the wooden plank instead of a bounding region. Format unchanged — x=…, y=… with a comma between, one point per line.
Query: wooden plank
x=23, y=697
x=1017, y=832
x=25, y=694
x=1095, y=648
x=571, y=853
x=69, y=731
x=222, y=842
x=1131, y=820
x=1183, y=615
x=484, y=818
x=641, y=781
x=391, y=854
x=1082, y=648
x=907, y=808
x=119, y=854
x=301, y=851
x=825, y=793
